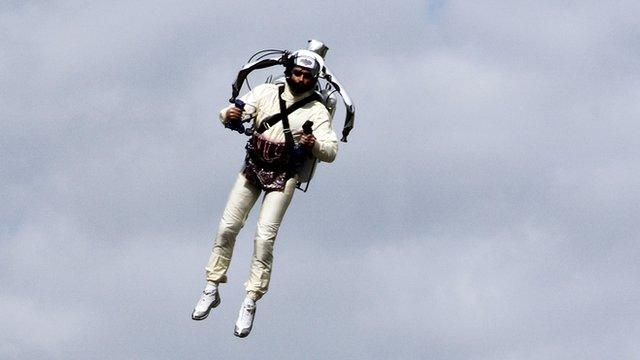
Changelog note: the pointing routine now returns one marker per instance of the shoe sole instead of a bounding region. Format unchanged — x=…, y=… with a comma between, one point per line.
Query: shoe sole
x=215, y=303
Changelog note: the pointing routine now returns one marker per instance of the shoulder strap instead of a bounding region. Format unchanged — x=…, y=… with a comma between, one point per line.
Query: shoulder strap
x=288, y=137
x=274, y=119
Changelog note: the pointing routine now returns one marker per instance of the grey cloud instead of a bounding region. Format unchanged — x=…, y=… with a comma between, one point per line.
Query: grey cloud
x=483, y=208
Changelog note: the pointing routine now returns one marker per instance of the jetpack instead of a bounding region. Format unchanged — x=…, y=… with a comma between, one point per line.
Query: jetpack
x=327, y=88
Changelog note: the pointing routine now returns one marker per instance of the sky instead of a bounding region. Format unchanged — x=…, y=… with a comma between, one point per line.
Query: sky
x=485, y=207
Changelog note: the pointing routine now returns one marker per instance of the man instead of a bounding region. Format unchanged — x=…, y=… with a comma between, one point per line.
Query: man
x=272, y=166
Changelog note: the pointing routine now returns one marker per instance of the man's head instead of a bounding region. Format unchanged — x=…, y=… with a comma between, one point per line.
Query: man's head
x=302, y=70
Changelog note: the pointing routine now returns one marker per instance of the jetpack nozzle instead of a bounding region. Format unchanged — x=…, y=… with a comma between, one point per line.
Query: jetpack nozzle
x=317, y=47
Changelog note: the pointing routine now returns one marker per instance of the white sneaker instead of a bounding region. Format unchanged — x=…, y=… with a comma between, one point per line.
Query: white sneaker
x=245, y=318
x=208, y=300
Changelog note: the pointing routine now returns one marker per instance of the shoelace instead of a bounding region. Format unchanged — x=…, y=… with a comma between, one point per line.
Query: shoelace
x=248, y=312
x=206, y=294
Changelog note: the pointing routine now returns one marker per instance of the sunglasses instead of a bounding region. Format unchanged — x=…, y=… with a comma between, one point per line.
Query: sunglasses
x=301, y=73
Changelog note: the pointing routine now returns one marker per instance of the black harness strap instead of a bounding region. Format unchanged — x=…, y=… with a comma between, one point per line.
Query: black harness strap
x=288, y=137
x=272, y=120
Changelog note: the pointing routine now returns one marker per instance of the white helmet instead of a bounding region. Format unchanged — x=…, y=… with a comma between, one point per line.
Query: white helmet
x=306, y=59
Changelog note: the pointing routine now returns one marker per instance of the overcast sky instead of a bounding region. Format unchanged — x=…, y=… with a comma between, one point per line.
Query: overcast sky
x=486, y=205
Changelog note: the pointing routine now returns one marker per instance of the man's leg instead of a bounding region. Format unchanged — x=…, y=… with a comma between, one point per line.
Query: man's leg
x=274, y=206
x=241, y=199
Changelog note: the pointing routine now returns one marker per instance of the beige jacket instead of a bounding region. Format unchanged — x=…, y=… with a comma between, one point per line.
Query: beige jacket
x=263, y=100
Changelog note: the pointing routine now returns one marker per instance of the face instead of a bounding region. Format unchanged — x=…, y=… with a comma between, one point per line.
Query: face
x=301, y=80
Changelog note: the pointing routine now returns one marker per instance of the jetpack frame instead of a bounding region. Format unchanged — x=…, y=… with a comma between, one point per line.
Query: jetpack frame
x=265, y=59
x=271, y=57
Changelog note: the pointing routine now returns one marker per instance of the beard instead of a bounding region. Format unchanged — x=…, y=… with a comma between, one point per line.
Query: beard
x=298, y=88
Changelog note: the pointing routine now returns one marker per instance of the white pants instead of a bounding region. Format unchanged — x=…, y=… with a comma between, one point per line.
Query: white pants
x=241, y=199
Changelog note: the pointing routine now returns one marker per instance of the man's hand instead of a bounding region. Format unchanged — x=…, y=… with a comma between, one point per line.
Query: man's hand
x=307, y=141
x=233, y=114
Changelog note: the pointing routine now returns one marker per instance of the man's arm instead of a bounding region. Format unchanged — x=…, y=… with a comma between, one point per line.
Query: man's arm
x=323, y=142
x=251, y=99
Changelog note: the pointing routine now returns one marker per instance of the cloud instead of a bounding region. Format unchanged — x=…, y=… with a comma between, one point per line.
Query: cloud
x=483, y=207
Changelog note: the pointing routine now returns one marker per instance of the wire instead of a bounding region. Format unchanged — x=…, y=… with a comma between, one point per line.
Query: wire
x=270, y=51
x=259, y=52
x=262, y=54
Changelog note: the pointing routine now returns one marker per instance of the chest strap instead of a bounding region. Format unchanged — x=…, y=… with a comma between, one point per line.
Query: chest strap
x=274, y=119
